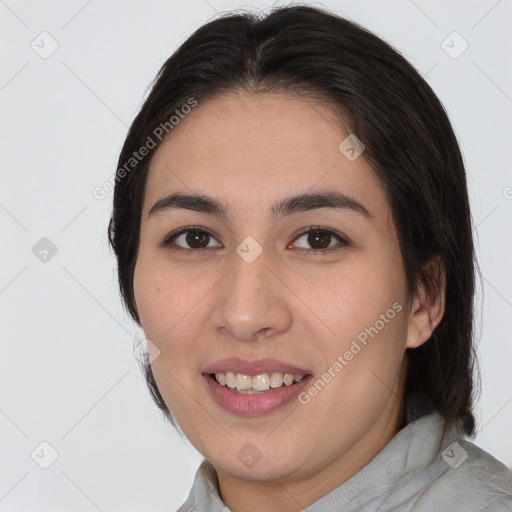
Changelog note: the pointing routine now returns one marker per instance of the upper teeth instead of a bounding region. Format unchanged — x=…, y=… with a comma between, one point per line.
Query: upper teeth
x=260, y=382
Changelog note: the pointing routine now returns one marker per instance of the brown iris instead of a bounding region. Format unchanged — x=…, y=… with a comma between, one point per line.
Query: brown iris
x=196, y=236
x=319, y=239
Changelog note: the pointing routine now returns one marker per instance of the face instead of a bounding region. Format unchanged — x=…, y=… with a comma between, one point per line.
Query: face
x=314, y=289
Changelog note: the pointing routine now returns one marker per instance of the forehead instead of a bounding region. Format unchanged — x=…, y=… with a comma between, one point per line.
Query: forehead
x=250, y=148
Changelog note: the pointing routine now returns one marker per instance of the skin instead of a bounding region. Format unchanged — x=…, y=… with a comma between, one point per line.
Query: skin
x=304, y=309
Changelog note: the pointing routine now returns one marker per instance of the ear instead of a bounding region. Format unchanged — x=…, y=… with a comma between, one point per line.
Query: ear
x=428, y=303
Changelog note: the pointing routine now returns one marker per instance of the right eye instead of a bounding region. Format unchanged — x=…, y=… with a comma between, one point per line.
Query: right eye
x=195, y=237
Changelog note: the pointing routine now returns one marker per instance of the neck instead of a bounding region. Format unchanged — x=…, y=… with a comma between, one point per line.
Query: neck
x=285, y=495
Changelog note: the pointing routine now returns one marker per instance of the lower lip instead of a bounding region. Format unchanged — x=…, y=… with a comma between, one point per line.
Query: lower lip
x=254, y=404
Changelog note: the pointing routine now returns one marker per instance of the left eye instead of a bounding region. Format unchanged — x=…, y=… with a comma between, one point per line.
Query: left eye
x=320, y=239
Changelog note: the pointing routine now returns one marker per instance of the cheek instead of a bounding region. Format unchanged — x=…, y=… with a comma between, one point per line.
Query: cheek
x=364, y=308
x=348, y=300
x=165, y=302
x=172, y=310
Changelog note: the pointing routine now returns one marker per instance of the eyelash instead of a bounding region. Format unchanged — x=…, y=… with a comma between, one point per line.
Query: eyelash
x=168, y=240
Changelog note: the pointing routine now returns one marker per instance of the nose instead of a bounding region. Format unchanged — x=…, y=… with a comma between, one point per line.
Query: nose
x=251, y=302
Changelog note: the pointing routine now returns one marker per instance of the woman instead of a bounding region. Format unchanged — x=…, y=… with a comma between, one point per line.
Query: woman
x=293, y=234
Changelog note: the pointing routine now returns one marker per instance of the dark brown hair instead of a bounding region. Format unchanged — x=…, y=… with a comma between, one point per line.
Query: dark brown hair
x=409, y=143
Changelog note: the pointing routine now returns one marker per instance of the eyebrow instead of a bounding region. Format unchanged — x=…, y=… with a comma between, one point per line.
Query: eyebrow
x=287, y=206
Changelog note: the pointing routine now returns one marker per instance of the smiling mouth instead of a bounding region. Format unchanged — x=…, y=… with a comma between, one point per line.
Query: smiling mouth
x=256, y=384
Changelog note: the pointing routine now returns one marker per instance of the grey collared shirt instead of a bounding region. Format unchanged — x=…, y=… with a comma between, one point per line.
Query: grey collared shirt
x=419, y=470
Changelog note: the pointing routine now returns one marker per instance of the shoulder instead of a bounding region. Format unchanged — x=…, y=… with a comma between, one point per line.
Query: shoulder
x=447, y=472
x=473, y=481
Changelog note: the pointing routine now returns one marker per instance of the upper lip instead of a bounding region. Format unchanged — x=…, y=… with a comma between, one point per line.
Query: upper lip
x=252, y=368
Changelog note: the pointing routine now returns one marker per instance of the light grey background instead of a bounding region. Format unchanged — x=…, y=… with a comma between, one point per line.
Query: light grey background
x=68, y=376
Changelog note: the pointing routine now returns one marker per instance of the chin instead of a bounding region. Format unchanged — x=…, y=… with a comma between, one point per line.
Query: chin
x=251, y=463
